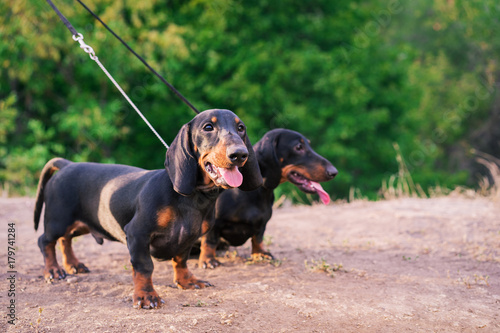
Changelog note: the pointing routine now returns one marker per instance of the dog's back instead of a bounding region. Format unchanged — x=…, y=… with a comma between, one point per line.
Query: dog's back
x=91, y=193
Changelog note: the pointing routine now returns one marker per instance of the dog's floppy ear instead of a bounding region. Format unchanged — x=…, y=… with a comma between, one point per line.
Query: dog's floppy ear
x=252, y=179
x=270, y=168
x=181, y=162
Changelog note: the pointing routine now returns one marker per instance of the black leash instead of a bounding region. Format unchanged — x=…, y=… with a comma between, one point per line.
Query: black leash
x=63, y=19
x=75, y=33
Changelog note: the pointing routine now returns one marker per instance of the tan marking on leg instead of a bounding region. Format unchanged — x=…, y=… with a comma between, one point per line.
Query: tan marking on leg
x=52, y=271
x=50, y=255
x=205, y=227
x=145, y=296
x=258, y=252
x=70, y=263
x=256, y=246
x=207, y=255
x=183, y=278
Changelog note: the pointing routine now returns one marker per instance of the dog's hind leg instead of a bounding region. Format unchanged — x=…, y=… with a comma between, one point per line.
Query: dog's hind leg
x=70, y=263
x=51, y=271
x=58, y=220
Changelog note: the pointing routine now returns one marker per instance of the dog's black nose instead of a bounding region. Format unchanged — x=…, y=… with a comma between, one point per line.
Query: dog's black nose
x=331, y=171
x=238, y=154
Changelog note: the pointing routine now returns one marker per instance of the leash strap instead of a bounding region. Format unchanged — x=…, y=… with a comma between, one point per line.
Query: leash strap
x=78, y=37
x=63, y=19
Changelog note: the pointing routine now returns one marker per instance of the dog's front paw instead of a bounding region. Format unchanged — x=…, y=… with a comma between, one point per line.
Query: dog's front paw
x=209, y=263
x=76, y=269
x=191, y=283
x=54, y=273
x=147, y=300
x=262, y=256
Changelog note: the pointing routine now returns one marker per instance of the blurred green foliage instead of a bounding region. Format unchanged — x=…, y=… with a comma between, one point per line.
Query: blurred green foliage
x=355, y=77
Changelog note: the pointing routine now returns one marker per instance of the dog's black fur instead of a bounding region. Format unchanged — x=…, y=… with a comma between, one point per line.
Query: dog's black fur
x=158, y=213
x=283, y=155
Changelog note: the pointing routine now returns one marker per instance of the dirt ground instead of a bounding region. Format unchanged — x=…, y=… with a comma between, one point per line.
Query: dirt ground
x=407, y=265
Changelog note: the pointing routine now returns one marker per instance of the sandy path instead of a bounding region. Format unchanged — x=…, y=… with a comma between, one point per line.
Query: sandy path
x=420, y=265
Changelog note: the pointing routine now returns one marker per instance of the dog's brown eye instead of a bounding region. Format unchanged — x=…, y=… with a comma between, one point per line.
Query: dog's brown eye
x=241, y=128
x=299, y=147
x=208, y=128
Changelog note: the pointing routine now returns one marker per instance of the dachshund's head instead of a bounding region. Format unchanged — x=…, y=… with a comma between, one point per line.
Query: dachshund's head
x=286, y=155
x=211, y=150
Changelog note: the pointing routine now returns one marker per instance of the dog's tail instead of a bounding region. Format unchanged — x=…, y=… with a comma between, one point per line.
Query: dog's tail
x=48, y=170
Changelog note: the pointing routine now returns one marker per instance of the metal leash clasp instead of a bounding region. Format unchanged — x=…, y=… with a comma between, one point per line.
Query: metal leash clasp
x=88, y=49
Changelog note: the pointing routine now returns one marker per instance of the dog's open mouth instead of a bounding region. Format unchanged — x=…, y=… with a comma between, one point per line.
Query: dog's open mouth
x=308, y=186
x=225, y=177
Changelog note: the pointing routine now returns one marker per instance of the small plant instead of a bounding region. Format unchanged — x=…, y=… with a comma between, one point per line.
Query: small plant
x=198, y=304
x=201, y=304
x=477, y=280
x=405, y=258
x=38, y=321
x=322, y=266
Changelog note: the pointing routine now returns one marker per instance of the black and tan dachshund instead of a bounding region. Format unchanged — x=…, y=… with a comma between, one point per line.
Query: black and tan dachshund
x=158, y=213
x=283, y=155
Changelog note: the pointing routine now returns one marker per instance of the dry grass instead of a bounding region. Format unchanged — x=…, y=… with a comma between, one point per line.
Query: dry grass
x=322, y=266
x=489, y=186
x=401, y=185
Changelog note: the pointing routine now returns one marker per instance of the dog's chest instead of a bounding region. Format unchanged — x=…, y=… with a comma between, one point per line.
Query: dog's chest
x=181, y=226
x=177, y=238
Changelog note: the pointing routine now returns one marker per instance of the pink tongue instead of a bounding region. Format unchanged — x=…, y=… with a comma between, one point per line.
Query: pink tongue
x=233, y=176
x=322, y=193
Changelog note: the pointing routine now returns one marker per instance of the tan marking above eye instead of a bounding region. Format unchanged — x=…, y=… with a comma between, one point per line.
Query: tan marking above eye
x=237, y=120
x=214, y=119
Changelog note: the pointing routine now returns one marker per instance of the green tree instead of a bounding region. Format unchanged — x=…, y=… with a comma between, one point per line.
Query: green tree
x=355, y=77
